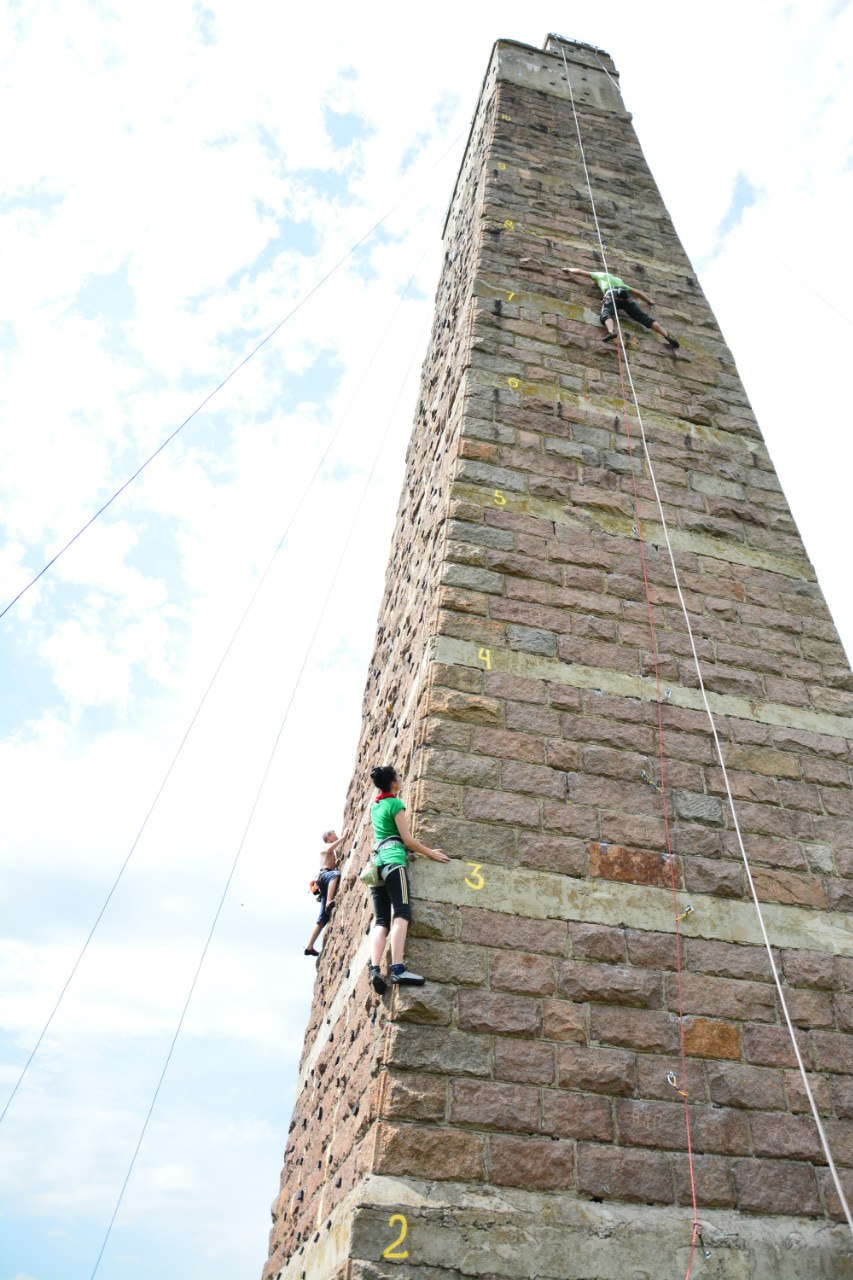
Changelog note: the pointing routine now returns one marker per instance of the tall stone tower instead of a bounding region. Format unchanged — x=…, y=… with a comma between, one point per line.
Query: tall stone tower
x=523, y=1115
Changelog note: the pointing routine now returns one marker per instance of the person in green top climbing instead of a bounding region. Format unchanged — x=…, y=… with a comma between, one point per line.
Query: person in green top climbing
x=620, y=296
x=393, y=836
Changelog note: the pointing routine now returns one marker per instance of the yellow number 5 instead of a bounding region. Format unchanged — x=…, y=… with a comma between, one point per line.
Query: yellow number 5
x=475, y=881
x=394, y=1251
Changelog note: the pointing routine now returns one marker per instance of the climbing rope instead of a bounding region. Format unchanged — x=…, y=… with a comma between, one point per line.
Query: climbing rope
x=765, y=247
x=254, y=351
x=717, y=745
x=226, y=652
x=308, y=651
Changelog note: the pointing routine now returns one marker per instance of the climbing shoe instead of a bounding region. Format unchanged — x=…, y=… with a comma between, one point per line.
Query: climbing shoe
x=309, y=951
x=377, y=981
x=674, y=343
x=401, y=975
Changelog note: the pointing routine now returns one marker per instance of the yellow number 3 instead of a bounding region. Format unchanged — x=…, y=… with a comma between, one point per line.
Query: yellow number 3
x=394, y=1251
x=475, y=881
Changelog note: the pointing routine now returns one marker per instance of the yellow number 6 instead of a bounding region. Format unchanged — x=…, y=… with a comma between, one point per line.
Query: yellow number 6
x=480, y=882
x=394, y=1251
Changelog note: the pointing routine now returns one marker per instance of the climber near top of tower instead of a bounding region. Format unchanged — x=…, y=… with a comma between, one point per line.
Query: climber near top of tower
x=620, y=296
x=393, y=837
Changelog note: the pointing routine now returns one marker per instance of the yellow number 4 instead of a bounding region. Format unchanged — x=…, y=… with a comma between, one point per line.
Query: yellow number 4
x=475, y=880
x=485, y=656
x=394, y=1251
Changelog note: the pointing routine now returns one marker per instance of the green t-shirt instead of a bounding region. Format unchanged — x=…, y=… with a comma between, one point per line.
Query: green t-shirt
x=605, y=281
x=382, y=815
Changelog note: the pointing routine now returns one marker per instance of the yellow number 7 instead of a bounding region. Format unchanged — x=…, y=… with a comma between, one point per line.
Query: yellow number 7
x=394, y=1251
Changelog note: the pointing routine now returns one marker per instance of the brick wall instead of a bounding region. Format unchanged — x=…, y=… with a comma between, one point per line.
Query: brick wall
x=513, y=679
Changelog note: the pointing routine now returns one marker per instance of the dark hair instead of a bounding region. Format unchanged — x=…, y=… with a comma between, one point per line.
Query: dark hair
x=383, y=775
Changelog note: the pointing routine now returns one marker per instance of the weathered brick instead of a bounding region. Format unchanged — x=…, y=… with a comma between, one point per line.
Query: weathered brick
x=637, y=866
x=515, y=971
x=776, y=1186
x=564, y=1020
x=563, y=855
x=528, y=1061
x=467, y=707
x=581, y=980
x=789, y=886
x=723, y=997
x=712, y=1177
x=578, y=1116
x=489, y=1013
x=533, y=1163
x=726, y=960
x=771, y=1046
x=597, y=1070
x=709, y=1038
x=794, y=1137
x=692, y=806
x=436, y=1049
x=732, y=1084
x=810, y=969
x=597, y=942
x=500, y=806
x=489, y=1105
x=496, y=929
x=612, y=1173
x=430, y=1004
x=412, y=1097
x=417, y=1151
x=634, y=1028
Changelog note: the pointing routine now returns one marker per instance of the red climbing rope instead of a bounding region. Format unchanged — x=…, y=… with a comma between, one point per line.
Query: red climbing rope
x=669, y=854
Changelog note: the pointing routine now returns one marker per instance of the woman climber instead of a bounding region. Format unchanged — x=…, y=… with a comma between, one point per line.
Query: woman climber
x=392, y=836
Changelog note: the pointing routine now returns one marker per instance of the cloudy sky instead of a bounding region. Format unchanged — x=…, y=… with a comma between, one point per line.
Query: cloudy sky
x=175, y=177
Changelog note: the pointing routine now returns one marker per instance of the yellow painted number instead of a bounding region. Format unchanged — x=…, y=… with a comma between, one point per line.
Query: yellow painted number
x=515, y=383
x=394, y=1251
x=475, y=880
x=506, y=117
x=485, y=655
x=501, y=164
x=500, y=498
x=510, y=296
x=509, y=224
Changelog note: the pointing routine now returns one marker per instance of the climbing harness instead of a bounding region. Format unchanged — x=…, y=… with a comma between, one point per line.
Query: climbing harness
x=622, y=354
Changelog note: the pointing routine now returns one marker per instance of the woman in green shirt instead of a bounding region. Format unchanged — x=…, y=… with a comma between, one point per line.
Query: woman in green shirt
x=393, y=836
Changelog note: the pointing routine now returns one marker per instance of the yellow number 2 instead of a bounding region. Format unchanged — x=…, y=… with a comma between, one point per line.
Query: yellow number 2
x=394, y=1251
x=475, y=881
x=485, y=655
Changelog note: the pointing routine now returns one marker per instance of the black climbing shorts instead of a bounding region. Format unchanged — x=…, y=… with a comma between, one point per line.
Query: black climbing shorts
x=394, y=892
x=622, y=299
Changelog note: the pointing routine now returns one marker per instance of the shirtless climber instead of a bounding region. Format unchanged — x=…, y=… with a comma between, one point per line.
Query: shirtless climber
x=325, y=886
x=620, y=296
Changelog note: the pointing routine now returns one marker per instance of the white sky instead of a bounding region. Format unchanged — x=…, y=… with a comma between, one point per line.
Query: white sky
x=175, y=178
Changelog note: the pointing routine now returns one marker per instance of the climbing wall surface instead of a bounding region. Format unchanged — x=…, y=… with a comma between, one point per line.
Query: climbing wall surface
x=521, y=1115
